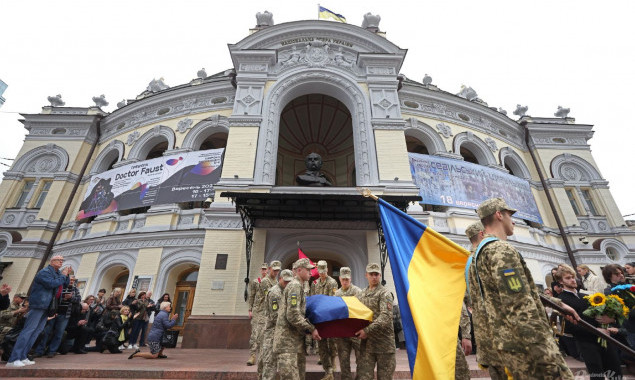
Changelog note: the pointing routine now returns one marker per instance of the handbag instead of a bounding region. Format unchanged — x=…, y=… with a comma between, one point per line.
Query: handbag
x=169, y=338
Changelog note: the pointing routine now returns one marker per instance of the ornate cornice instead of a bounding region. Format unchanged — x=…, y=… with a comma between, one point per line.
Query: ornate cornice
x=443, y=106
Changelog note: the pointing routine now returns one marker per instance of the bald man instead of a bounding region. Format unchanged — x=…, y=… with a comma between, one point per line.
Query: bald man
x=47, y=286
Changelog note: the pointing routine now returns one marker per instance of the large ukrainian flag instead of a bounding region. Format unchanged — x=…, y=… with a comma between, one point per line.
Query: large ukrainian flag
x=428, y=271
x=325, y=14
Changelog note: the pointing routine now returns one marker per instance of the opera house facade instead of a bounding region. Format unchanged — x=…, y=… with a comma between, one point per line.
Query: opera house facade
x=189, y=189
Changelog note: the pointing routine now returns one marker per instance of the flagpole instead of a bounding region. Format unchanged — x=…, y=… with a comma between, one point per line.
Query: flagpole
x=318, y=11
x=367, y=193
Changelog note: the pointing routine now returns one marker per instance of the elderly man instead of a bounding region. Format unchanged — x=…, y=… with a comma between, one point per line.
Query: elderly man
x=47, y=287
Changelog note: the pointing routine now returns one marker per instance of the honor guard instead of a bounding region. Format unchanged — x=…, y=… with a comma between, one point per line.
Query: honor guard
x=346, y=345
x=256, y=302
x=269, y=360
x=377, y=339
x=326, y=285
x=292, y=325
x=269, y=281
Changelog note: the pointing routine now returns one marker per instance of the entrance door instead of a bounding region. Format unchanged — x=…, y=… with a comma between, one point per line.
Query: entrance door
x=183, y=305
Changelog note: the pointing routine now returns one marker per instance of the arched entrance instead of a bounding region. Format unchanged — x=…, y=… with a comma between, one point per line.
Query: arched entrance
x=316, y=123
x=184, y=296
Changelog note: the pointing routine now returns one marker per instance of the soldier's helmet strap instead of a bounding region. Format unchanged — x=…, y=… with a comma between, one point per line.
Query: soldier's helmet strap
x=474, y=258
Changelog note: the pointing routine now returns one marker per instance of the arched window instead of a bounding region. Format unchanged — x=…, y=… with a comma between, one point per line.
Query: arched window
x=157, y=150
x=415, y=146
x=468, y=156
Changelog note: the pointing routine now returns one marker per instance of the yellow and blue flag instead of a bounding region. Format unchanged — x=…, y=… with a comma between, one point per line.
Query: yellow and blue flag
x=428, y=273
x=325, y=14
x=337, y=317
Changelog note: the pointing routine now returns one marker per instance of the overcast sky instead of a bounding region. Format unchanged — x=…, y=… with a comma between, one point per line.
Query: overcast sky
x=578, y=54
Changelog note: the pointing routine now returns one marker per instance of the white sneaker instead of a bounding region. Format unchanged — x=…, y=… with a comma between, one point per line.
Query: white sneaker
x=122, y=347
x=28, y=362
x=135, y=346
x=16, y=364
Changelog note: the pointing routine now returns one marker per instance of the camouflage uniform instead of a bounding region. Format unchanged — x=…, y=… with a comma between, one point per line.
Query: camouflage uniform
x=326, y=348
x=516, y=319
x=256, y=306
x=379, y=347
x=462, y=369
x=345, y=345
x=267, y=360
x=291, y=326
x=8, y=319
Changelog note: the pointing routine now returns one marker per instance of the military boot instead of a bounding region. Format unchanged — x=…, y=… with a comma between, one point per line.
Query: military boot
x=328, y=376
x=252, y=360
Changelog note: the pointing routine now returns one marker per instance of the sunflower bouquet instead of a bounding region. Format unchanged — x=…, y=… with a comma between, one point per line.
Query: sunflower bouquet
x=627, y=293
x=611, y=306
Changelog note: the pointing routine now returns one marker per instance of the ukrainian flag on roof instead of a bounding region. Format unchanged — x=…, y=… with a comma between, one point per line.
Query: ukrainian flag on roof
x=428, y=272
x=325, y=14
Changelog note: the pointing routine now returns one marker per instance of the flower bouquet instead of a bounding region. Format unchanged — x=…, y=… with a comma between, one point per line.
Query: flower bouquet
x=611, y=306
x=626, y=292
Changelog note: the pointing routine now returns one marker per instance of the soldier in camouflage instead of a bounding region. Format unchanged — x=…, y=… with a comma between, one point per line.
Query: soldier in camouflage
x=463, y=347
x=10, y=316
x=486, y=354
x=270, y=280
x=267, y=357
x=378, y=338
x=346, y=345
x=326, y=285
x=292, y=325
x=256, y=309
x=502, y=286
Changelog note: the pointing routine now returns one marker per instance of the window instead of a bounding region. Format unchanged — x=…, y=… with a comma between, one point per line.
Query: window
x=43, y=193
x=28, y=185
x=589, y=201
x=573, y=202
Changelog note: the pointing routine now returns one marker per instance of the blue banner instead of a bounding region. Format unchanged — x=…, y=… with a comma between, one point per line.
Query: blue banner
x=448, y=182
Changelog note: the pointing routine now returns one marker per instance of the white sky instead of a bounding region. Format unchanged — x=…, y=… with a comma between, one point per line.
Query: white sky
x=578, y=54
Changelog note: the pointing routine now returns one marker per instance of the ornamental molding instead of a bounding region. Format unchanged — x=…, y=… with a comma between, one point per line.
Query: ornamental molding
x=572, y=168
x=204, y=129
x=478, y=147
x=170, y=258
x=508, y=156
x=44, y=160
x=145, y=142
x=114, y=149
x=445, y=107
x=427, y=135
x=190, y=238
x=170, y=104
x=332, y=84
x=301, y=33
x=221, y=222
x=315, y=224
x=317, y=54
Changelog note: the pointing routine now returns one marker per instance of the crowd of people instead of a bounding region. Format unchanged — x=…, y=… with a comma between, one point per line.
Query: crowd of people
x=54, y=320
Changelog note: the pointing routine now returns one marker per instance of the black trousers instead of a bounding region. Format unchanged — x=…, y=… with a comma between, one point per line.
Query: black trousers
x=600, y=361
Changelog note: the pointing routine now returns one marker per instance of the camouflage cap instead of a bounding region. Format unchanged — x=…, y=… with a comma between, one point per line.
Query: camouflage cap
x=473, y=229
x=322, y=266
x=345, y=272
x=304, y=263
x=264, y=266
x=492, y=205
x=276, y=265
x=373, y=268
x=21, y=295
x=294, y=266
x=286, y=275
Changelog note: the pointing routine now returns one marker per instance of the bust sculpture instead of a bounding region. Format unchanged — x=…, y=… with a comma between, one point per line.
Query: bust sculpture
x=312, y=176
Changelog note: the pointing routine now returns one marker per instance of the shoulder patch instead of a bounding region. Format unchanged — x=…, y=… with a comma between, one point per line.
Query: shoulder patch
x=274, y=304
x=294, y=299
x=511, y=279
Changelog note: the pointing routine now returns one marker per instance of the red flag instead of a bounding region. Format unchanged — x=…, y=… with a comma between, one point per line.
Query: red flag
x=314, y=271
